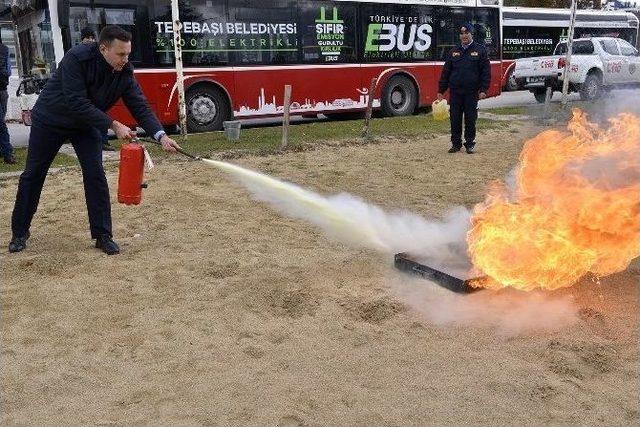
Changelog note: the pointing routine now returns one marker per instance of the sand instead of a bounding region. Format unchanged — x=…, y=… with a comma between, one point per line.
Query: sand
x=220, y=311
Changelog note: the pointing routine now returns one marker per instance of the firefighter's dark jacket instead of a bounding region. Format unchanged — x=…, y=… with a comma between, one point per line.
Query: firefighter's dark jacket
x=466, y=70
x=85, y=86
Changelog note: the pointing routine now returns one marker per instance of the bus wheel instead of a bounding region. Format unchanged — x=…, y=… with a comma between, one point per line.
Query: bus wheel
x=399, y=97
x=207, y=108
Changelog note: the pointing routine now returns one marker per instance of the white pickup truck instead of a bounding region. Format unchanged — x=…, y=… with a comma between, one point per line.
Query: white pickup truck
x=597, y=64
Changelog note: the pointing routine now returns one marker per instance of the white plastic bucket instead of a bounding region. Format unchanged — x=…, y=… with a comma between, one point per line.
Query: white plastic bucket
x=232, y=130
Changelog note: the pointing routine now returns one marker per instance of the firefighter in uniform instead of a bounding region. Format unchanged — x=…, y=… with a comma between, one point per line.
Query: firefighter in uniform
x=467, y=74
x=89, y=80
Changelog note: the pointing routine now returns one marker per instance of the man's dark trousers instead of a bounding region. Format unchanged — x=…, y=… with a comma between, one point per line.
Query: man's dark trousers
x=6, y=150
x=44, y=144
x=463, y=103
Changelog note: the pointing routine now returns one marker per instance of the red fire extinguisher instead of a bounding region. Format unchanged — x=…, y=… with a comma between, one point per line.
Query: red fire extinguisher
x=131, y=174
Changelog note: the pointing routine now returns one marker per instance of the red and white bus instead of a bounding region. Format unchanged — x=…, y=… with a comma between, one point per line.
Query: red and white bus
x=239, y=54
x=528, y=32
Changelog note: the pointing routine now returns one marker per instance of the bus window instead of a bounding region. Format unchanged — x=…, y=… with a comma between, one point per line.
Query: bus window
x=86, y=14
x=629, y=35
x=204, y=34
x=531, y=32
x=395, y=32
x=8, y=39
x=36, y=43
x=83, y=17
x=450, y=19
x=487, y=30
x=327, y=32
x=263, y=32
x=523, y=42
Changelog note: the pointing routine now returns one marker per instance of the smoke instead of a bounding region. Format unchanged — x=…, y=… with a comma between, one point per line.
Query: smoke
x=508, y=312
x=511, y=184
x=618, y=101
x=397, y=231
x=352, y=221
x=610, y=104
x=608, y=172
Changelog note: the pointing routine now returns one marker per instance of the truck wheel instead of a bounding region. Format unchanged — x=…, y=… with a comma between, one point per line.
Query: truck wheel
x=591, y=88
x=540, y=95
x=399, y=97
x=511, y=84
x=207, y=108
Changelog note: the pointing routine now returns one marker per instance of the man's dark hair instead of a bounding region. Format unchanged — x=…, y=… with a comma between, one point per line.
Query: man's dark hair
x=87, y=33
x=113, y=32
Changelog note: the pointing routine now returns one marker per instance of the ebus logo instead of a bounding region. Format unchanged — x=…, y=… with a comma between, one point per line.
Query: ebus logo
x=403, y=37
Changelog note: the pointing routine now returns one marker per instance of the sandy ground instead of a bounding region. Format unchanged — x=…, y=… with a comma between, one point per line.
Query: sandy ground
x=220, y=311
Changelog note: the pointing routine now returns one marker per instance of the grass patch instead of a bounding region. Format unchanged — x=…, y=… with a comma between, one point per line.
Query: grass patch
x=507, y=110
x=61, y=160
x=266, y=140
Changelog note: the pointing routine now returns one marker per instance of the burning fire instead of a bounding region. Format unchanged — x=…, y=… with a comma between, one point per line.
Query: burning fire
x=575, y=209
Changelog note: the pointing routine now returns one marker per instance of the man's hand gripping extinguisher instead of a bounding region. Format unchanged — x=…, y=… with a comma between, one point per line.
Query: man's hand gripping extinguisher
x=131, y=174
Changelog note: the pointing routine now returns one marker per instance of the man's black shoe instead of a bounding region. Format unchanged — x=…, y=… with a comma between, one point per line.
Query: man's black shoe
x=107, y=147
x=10, y=159
x=454, y=149
x=469, y=150
x=18, y=244
x=108, y=246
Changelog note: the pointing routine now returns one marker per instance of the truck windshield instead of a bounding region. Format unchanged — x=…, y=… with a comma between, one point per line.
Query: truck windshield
x=580, y=47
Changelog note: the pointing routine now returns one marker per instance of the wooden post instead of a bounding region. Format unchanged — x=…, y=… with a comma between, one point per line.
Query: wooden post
x=285, y=118
x=177, y=46
x=567, y=58
x=367, y=117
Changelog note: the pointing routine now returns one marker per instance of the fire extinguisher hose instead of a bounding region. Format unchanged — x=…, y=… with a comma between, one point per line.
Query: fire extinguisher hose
x=179, y=150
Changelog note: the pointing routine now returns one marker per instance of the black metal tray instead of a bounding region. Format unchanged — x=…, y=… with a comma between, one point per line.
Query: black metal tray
x=454, y=276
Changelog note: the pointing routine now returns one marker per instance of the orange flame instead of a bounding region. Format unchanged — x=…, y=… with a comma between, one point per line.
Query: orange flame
x=575, y=209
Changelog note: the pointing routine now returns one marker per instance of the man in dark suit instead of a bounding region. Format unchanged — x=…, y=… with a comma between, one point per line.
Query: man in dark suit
x=6, y=149
x=89, y=80
x=88, y=36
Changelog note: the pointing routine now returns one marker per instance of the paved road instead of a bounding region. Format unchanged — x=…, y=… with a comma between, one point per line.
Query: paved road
x=517, y=99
